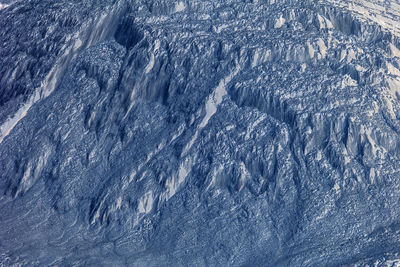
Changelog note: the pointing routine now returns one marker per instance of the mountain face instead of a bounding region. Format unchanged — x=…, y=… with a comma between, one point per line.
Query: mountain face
x=163, y=133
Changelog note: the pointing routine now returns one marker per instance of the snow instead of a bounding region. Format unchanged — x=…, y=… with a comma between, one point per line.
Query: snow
x=211, y=105
x=322, y=47
x=220, y=28
x=146, y=203
x=150, y=65
x=3, y=6
x=310, y=50
x=395, y=50
x=376, y=11
x=180, y=6
x=279, y=22
x=251, y=127
x=255, y=59
x=216, y=98
x=152, y=132
x=10, y=123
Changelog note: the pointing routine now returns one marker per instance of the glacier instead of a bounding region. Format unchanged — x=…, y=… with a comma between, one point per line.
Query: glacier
x=204, y=132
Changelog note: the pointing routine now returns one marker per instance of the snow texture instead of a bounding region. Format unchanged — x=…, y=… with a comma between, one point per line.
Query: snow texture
x=199, y=133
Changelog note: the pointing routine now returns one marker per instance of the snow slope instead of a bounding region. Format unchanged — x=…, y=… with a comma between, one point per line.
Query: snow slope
x=148, y=133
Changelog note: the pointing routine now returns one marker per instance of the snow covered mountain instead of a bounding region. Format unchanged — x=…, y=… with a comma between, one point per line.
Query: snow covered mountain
x=163, y=133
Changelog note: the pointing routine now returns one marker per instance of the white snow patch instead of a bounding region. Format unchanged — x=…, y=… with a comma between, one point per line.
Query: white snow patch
x=119, y=203
x=157, y=45
x=178, y=132
x=97, y=213
x=372, y=175
x=395, y=50
x=150, y=65
x=329, y=24
x=10, y=123
x=394, y=85
x=96, y=216
x=336, y=187
x=78, y=43
x=220, y=28
x=376, y=11
x=146, y=202
x=250, y=129
x=180, y=6
x=310, y=50
x=211, y=106
x=324, y=212
x=230, y=127
x=319, y=155
x=280, y=148
x=26, y=176
x=350, y=55
x=392, y=263
x=182, y=173
x=189, y=145
x=324, y=22
x=47, y=87
x=214, y=175
x=279, y=22
x=174, y=182
x=322, y=47
x=2, y=6
x=347, y=160
x=392, y=69
x=216, y=98
x=255, y=59
x=348, y=81
x=243, y=174
x=390, y=107
x=321, y=21
x=360, y=68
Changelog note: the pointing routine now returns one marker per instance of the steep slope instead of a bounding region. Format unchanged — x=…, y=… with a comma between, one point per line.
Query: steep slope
x=206, y=132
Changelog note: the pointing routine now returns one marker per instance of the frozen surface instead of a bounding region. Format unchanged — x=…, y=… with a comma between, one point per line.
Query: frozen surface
x=164, y=133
